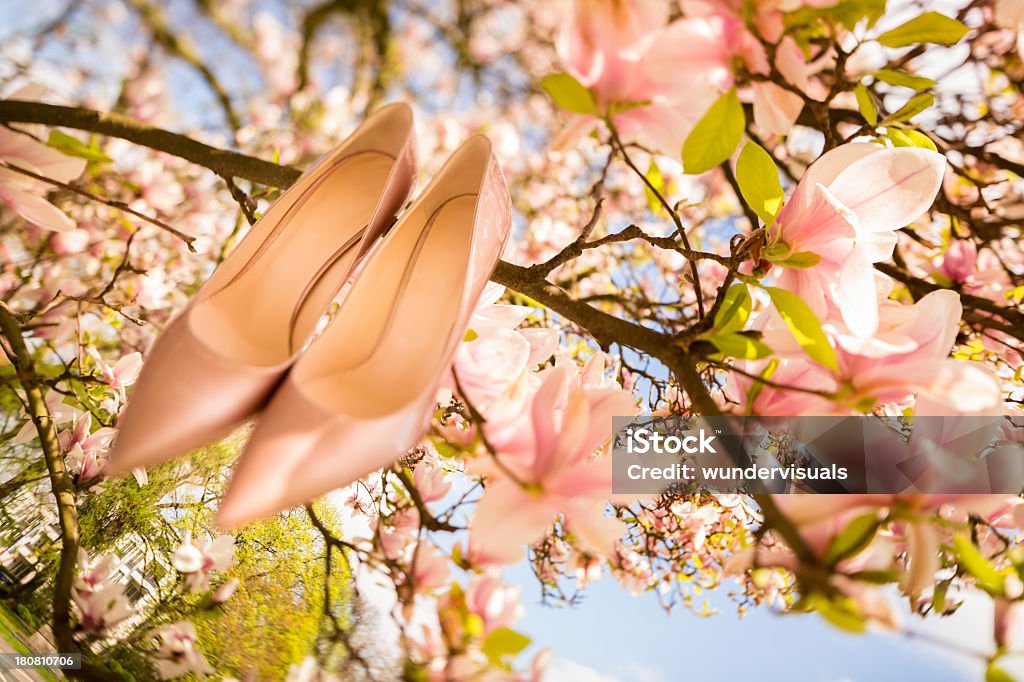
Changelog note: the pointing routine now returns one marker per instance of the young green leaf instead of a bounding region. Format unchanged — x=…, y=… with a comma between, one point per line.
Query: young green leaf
x=853, y=539
x=800, y=260
x=758, y=178
x=756, y=387
x=904, y=79
x=72, y=146
x=993, y=673
x=897, y=138
x=841, y=612
x=930, y=27
x=865, y=104
x=804, y=326
x=569, y=93
x=974, y=562
x=503, y=643
x=715, y=136
x=912, y=108
x=919, y=139
x=740, y=346
x=657, y=180
x=735, y=310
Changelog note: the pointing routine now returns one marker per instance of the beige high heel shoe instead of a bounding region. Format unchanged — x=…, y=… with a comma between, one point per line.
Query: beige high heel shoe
x=364, y=391
x=217, y=362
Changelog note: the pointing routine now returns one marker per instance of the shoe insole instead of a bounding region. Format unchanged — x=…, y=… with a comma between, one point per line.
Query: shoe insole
x=397, y=320
x=269, y=309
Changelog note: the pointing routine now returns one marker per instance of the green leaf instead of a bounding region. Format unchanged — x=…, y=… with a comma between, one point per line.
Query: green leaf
x=740, y=346
x=930, y=27
x=804, y=326
x=714, y=138
x=757, y=386
x=569, y=93
x=912, y=108
x=849, y=13
x=865, y=104
x=471, y=335
x=503, y=643
x=72, y=146
x=994, y=673
x=758, y=178
x=919, y=139
x=974, y=562
x=898, y=138
x=657, y=180
x=904, y=79
x=800, y=260
x=841, y=612
x=735, y=310
x=853, y=539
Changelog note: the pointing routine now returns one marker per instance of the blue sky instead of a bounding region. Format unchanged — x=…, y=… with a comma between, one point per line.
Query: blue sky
x=613, y=637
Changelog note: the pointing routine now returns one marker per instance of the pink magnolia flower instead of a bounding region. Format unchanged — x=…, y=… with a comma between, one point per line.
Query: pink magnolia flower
x=124, y=372
x=972, y=272
x=60, y=413
x=176, y=653
x=20, y=193
x=555, y=471
x=842, y=218
x=430, y=568
x=82, y=436
x=494, y=355
x=700, y=53
x=909, y=359
x=100, y=602
x=430, y=483
x=767, y=14
x=102, y=608
x=225, y=591
x=197, y=560
x=92, y=574
x=602, y=43
x=497, y=604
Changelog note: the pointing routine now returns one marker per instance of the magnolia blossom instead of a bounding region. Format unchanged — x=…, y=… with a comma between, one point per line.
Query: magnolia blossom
x=908, y=358
x=497, y=604
x=123, y=374
x=20, y=193
x=430, y=567
x=602, y=44
x=767, y=14
x=429, y=480
x=842, y=218
x=176, y=653
x=60, y=413
x=197, y=559
x=554, y=471
x=495, y=354
x=99, y=600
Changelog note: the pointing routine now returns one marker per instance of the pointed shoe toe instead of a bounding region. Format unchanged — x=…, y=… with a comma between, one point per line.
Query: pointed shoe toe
x=217, y=363
x=363, y=393
x=189, y=395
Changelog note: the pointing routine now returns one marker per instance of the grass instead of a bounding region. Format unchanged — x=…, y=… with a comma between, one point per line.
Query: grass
x=12, y=621
x=10, y=626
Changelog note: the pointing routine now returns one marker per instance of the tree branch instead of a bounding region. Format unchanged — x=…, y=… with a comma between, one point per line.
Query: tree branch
x=220, y=161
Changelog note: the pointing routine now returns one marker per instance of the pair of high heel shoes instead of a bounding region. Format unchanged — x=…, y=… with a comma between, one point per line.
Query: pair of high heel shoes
x=360, y=394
